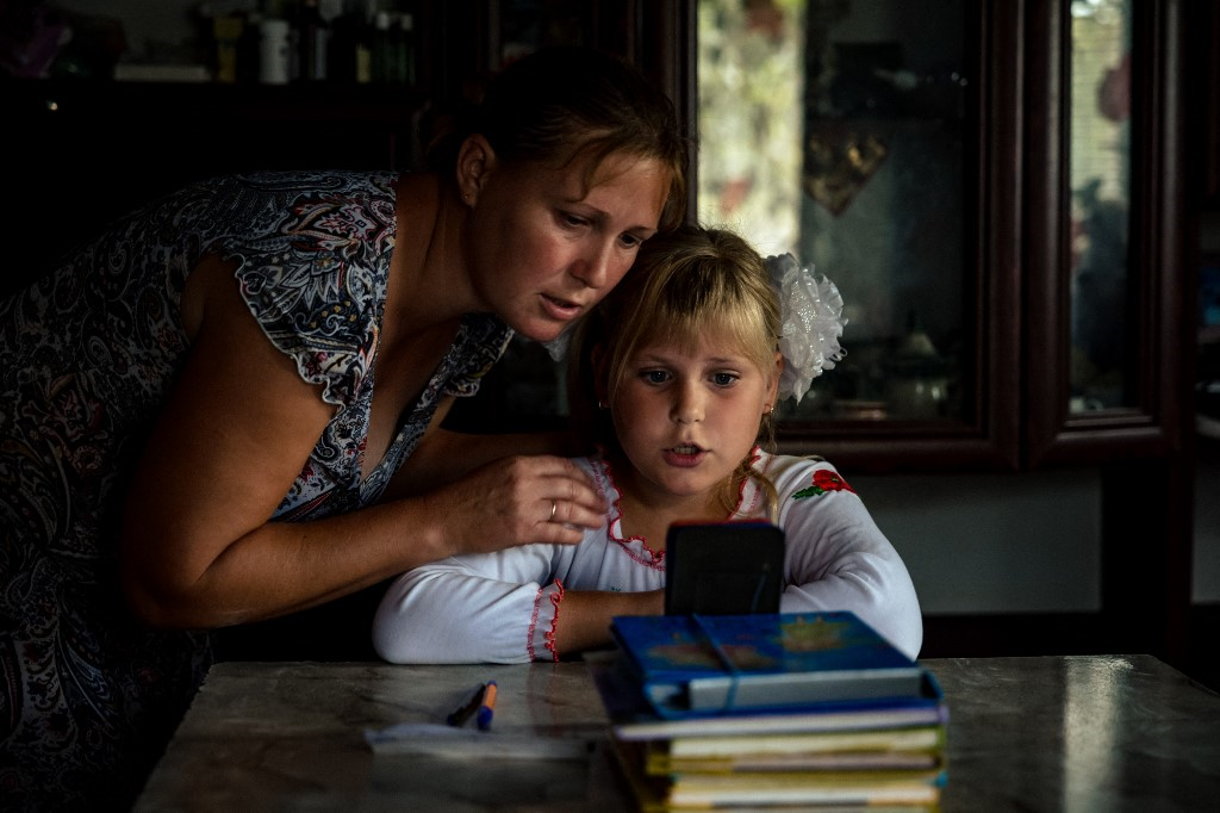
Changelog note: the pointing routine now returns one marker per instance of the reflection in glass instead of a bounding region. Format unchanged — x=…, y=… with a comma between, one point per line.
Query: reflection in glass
x=1100, y=109
x=835, y=130
x=751, y=86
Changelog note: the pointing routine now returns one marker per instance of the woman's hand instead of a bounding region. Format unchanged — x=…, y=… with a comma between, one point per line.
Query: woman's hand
x=517, y=501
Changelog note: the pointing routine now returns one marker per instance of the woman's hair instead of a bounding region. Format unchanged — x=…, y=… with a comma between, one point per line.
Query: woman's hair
x=683, y=285
x=560, y=104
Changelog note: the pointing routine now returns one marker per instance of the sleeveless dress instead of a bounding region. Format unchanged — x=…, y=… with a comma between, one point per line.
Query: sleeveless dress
x=88, y=697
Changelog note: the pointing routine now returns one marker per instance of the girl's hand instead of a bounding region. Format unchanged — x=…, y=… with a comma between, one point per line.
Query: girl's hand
x=651, y=602
x=584, y=616
x=517, y=501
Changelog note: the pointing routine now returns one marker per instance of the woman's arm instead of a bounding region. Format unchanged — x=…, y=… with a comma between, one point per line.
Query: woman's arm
x=444, y=456
x=838, y=559
x=198, y=549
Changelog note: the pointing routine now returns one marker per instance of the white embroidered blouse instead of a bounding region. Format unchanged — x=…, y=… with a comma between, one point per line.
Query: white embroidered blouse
x=502, y=607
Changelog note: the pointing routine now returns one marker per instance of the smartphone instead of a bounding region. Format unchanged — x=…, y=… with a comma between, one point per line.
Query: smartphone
x=723, y=568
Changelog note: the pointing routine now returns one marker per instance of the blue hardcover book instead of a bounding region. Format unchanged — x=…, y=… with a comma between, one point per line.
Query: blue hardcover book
x=692, y=664
x=633, y=718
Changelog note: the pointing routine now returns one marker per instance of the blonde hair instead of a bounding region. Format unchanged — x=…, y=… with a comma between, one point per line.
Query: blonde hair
x=683, y=283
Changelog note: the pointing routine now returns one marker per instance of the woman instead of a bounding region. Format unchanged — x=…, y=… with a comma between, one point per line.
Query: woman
x=230, y=402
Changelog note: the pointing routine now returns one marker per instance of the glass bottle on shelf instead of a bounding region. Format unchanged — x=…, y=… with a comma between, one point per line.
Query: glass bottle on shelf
x=406, y=48
x=313, y=35
x=382, y=48
x=226, y=42
x=348, y=60
x=275, y=51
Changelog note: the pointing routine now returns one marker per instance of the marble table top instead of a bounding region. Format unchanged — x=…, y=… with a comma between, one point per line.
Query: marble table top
x=1077, y=733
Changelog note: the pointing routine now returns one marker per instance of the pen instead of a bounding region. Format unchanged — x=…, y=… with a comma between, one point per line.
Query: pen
x=488, y=707
x=462, y=713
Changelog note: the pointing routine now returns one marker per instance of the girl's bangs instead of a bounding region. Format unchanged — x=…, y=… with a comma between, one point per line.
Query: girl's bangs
x=724, y=322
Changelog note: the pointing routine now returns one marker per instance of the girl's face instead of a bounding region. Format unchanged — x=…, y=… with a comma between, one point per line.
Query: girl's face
x=546, y=249
x=687, y=418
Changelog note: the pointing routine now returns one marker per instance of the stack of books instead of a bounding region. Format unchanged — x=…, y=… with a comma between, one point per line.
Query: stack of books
x=805, y=710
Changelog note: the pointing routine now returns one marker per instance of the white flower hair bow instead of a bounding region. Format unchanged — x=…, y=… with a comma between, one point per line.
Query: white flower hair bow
x=811, y=309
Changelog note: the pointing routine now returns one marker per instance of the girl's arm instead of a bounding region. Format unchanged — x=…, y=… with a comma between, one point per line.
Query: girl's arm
x=838, y=559
x=585, y=615
x=537, y=602
x=476, y=609
x=470, y=609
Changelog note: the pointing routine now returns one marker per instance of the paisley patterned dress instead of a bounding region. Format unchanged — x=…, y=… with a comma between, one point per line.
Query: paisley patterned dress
x=88, y=697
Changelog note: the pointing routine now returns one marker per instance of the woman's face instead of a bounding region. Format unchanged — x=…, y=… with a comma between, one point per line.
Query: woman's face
x=686, y=417
x=544, y=249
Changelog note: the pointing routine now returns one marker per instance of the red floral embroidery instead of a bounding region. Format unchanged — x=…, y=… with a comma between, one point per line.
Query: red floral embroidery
x=823, y=481
x=556, y=600
x=830, y=481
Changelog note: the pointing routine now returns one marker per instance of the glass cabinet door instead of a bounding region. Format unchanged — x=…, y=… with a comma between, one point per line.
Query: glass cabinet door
x=852, y=135
x=1107, y=319
x=1099, y=178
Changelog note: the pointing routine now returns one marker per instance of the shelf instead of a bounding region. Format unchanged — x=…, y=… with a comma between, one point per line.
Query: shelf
x=321, y=101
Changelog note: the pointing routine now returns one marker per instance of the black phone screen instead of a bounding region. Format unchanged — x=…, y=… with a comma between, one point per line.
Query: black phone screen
x=726, y=568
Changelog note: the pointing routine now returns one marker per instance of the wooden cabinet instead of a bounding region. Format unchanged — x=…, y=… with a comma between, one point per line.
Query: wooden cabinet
x=1009, y=283
x=1014, y=202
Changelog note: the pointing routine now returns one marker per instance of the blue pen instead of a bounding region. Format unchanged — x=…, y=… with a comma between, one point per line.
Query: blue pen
x=488, y=707
x=461, y=714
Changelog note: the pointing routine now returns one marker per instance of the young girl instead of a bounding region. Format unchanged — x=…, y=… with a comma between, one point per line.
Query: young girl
x=678, y=371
